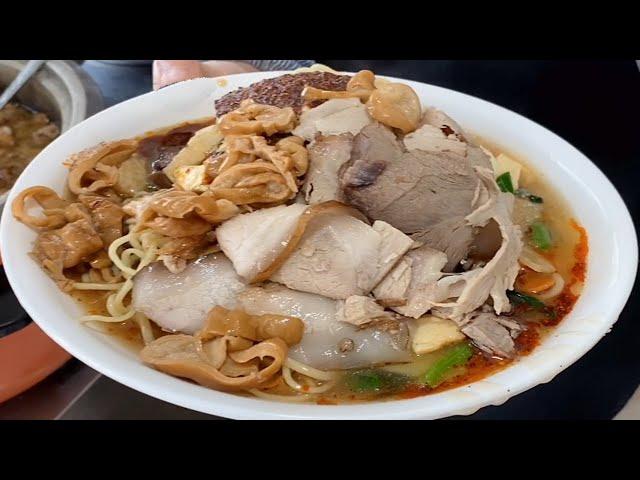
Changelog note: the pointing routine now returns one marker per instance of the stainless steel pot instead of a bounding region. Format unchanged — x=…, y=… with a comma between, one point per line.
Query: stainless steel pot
x=61, y=90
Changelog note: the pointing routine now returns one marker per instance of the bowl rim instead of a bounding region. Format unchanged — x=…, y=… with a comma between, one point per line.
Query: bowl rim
x=469, y=398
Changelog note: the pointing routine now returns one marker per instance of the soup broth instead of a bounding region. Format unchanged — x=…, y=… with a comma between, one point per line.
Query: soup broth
x=406, y=380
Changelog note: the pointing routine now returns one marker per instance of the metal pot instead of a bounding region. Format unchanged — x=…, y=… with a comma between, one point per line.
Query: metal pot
x=61, y=90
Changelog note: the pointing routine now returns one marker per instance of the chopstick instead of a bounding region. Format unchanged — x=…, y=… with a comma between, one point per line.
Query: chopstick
x=23, y=77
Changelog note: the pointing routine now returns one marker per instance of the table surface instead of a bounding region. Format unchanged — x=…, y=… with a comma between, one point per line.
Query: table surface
x=593, y=105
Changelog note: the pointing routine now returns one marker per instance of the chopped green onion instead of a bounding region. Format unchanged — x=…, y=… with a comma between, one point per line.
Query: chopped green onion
x=374, y=380
x=527, y=195
x=540, y=236
x=520, y=298
x=505, y=183
x=456, y=356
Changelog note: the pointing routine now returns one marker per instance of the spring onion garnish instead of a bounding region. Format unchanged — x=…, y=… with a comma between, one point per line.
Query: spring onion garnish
x=520, y=298
x=505, y=183
x=374, y=380
x=540, y=236
x=456, y=356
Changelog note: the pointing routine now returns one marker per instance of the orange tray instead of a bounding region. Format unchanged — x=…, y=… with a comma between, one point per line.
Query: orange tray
x=27, y=357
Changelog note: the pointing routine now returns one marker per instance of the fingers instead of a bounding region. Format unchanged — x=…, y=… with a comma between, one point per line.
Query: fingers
x=216, y=68
x=166, y=72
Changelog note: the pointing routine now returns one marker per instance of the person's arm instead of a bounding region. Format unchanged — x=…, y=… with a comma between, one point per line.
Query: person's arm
x=272, y=65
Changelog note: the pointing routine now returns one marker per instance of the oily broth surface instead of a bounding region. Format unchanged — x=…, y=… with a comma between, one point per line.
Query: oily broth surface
x=556, y=215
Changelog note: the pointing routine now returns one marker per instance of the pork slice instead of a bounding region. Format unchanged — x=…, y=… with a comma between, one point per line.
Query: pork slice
x=442, y=121
x=427, y=194
x=180, y=302
x=327, y=154
x=359, y=310
x=477, y=157
x=327, y=342
x=333, y=117
x=499, y=274
x=453, y=138
x=492, y=333
x=340, y=256
x=424, y=266
x=253, y=240
x=432, y=139
x=454, y=236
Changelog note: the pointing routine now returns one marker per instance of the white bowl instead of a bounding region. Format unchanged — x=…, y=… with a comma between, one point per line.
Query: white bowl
x=597, y=206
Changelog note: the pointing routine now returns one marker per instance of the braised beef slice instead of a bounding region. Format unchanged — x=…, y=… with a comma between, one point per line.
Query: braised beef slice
x=424, y=194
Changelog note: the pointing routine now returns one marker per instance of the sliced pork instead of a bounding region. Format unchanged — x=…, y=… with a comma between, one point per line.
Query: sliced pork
x=340, y=256
x=180, y=302
x=500, y=273
x=492, y=333
x=359, y=310
x=452, y=138
x=333, y=117
x=327, y=342
x=429, y=138
x=411, y=287
x=253, y=240
x=327, y=154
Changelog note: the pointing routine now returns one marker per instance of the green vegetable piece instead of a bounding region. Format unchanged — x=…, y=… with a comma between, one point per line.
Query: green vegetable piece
x=520, y=298
x=374, y=380
x=527, y=195
x=456, y=356
x=505, y=183
x=541, y=236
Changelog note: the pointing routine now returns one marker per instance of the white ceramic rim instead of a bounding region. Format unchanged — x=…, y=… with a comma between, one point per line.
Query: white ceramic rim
x=595, y=203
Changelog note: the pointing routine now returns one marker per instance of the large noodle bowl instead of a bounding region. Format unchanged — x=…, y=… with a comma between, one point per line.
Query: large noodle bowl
x=337, y=242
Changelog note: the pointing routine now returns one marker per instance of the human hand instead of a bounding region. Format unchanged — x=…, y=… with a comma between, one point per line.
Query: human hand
x=166, y=72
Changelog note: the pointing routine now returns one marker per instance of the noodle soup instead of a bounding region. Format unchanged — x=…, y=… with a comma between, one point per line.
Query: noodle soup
x=360, y=247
